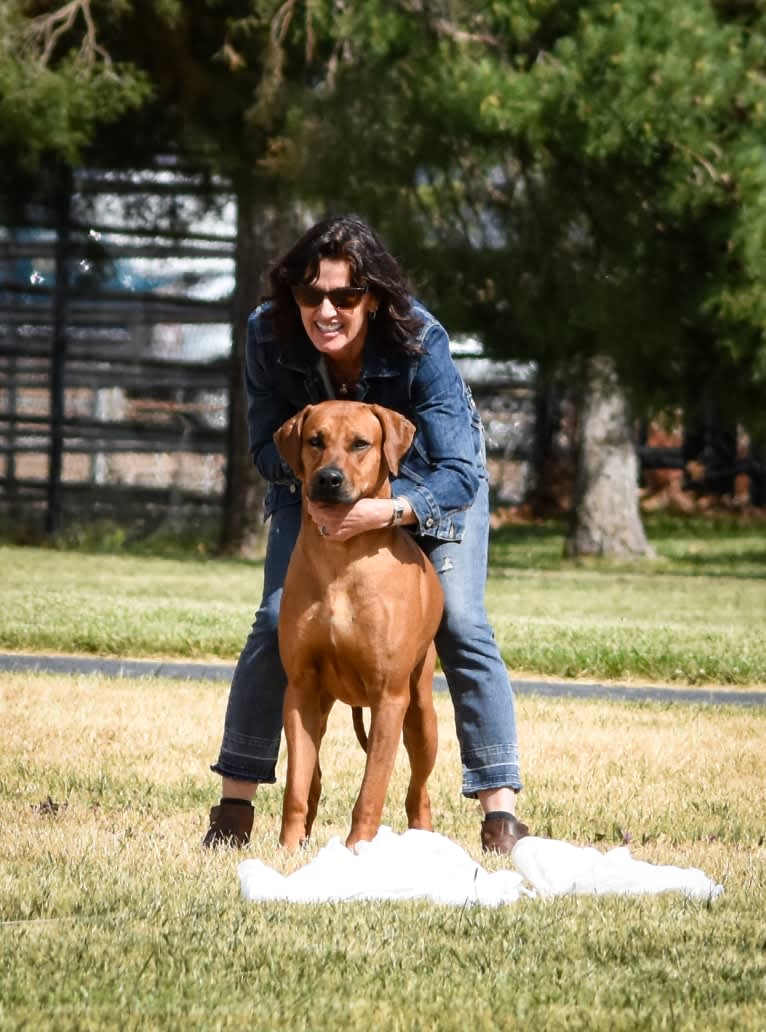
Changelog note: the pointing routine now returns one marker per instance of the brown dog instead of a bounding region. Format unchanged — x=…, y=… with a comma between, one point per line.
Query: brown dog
x=357, y=619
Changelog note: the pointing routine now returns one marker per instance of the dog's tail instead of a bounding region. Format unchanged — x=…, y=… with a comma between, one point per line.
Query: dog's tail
x=357, y=715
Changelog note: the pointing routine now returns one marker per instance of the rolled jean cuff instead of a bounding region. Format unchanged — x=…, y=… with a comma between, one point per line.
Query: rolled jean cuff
x=227, y=771
x=247, y=759
x=495, y=768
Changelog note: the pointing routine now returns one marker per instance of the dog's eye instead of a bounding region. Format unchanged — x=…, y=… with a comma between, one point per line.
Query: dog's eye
x=316, y=441
x=359, y=444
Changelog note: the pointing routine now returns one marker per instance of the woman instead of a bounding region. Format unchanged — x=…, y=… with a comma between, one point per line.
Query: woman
x=341, y=323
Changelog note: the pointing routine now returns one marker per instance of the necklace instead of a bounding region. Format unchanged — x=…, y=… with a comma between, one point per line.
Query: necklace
x=346, y=386
x=334, y=385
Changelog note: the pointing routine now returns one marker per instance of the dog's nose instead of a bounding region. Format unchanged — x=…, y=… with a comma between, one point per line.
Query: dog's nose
x=329, y=477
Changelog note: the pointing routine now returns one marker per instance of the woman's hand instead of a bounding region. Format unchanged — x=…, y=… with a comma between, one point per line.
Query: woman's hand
x=341, y=522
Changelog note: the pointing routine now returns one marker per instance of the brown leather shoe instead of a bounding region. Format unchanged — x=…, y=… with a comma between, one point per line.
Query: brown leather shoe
x=230, y=824
x=500, y=834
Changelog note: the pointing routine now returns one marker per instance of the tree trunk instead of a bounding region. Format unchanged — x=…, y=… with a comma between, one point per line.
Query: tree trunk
x=606, y=520
x=263, y=233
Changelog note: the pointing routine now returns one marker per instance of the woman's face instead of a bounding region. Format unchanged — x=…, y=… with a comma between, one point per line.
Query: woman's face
x=336, y=332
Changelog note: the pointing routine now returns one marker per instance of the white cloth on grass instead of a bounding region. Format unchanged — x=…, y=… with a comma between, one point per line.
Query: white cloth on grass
x=415, y=865
x=425, y=865
x=556, y=868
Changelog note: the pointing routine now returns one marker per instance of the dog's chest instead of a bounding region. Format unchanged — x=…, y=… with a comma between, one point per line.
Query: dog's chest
x=337, y=613
x=356, y=623
x=346, y=620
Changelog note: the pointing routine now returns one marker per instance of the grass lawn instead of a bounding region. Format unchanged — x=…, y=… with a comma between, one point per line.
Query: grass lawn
x=694, y=616
x=112, y=916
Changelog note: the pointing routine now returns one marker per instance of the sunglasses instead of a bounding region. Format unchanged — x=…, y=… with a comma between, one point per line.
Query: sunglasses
x=341, y=297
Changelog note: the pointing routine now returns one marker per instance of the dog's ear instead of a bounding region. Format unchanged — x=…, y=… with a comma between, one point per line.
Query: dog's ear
x=288, y=441
x=398, y=433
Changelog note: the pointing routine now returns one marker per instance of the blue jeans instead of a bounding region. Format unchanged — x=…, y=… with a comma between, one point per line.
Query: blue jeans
x=478, y=681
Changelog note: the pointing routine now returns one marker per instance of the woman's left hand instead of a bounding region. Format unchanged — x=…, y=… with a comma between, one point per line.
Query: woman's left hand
x=341, y=522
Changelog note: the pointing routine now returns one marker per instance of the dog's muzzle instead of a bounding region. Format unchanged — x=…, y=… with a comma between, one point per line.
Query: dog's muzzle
x=329, y=484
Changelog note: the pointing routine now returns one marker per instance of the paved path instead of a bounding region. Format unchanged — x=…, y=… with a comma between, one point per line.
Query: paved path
x=195, y=671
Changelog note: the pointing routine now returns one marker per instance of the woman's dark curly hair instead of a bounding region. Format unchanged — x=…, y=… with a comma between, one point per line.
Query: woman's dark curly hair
x=372, y=265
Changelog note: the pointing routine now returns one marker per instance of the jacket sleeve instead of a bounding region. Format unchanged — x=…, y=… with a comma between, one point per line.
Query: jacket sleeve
x=440, y=475
x=266, y=409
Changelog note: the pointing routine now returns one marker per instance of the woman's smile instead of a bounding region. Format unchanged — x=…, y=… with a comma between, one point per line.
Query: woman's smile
x=336, y=332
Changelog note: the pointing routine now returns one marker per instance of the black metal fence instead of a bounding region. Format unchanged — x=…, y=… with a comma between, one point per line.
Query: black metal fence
x=114, y=347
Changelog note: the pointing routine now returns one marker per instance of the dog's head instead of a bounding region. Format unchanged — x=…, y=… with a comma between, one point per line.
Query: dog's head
x=344, y=450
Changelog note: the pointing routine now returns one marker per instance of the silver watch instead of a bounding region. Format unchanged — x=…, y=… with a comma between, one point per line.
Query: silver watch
x=398, y=514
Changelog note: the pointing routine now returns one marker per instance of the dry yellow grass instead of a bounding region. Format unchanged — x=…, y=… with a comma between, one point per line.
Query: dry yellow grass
x=112, y=915
x=595, y=771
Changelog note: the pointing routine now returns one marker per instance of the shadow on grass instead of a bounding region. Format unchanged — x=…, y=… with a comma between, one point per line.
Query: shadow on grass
x=697, y=546
x=104, y=537
x=704, y=526
x=720, y=545
x=528, y=546
x=734, y=562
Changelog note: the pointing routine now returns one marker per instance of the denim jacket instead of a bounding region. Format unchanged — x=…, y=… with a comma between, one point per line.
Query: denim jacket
x=440, y=474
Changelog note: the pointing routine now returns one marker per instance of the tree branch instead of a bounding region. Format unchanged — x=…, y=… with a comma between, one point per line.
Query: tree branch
x=45, y=31
x=717, y=177
x=442, y=26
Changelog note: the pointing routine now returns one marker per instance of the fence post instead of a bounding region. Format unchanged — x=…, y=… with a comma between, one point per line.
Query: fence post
x=62, y=204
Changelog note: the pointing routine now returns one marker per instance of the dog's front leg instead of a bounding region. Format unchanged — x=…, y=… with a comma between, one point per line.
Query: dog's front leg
x=315, y=793
x=303, y=727
x=420, y=741
x=383, y=741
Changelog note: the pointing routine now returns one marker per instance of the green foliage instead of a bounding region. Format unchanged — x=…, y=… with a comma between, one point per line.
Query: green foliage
x=563, y=178
x=53, y=102
x=676, y=98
